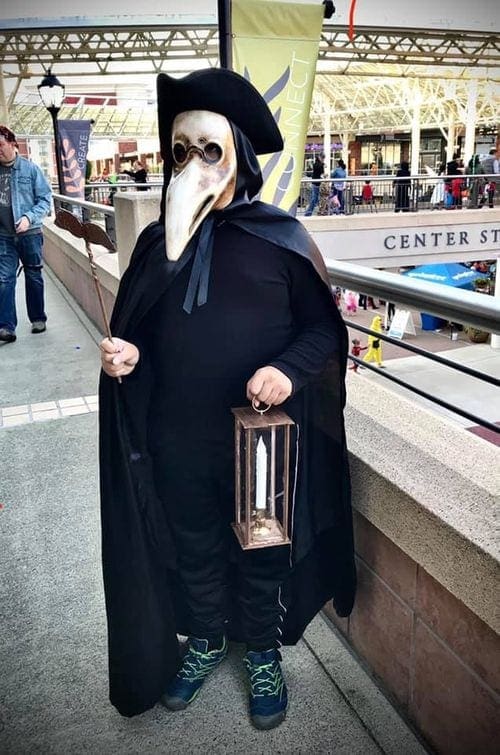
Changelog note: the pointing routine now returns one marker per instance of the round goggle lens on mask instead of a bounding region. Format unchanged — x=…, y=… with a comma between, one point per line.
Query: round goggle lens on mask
x=180, y=153
x=212, y=153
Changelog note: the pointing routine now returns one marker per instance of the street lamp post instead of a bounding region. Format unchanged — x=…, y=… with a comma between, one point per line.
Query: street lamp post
x=51, y=93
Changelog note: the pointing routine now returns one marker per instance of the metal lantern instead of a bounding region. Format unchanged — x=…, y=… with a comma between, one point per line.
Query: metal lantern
x=262, y=454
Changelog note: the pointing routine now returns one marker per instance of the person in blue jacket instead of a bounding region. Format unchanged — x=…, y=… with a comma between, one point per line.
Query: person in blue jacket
x=25, y=196
x=338, y=187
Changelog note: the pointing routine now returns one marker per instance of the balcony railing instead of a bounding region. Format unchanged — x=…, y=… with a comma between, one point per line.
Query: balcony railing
x=406, y=194
x=465, y=307
x=415, y=193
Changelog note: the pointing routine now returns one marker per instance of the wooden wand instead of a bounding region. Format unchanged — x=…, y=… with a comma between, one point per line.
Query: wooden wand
x=91, y=233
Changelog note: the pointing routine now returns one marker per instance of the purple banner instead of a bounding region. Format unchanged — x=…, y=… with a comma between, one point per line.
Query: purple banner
x=73, y=146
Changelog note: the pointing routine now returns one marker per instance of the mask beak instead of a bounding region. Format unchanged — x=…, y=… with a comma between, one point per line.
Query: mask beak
x=191, y=195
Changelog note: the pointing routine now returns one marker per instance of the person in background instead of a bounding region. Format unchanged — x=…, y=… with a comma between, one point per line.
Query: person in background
x=356, y=351
x=481, y=267
x=457, y=187
x=363, y=299
x=491, y=167
x=351, y=302
x=88, y=179
x=367, y=195
x=317, y=175
x=337, y=294
x=25, y=197
x=402, y=188
x=113, y=180
x=338, y=186
x=374, y=353
x=491, y=164
x=489, y=194
x=438, y=193
x=452, y=169
x=324, y=198
x=475, y=185
x=139, y=174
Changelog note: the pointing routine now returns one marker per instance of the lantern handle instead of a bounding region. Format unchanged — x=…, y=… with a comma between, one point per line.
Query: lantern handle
x=260, y=403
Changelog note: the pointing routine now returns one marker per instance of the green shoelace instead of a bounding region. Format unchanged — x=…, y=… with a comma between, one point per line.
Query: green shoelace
x=197, y=665
x=265, y=679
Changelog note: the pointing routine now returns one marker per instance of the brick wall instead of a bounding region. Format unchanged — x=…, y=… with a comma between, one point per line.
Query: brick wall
x=431, y=653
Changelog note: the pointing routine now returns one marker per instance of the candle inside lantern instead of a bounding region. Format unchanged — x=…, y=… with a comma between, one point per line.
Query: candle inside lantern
x=261, y=476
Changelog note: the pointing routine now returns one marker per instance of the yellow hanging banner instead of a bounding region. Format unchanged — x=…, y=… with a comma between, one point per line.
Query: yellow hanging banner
x=275, y=46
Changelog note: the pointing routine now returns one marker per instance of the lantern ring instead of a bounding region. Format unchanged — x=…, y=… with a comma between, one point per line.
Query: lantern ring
x=261, y=403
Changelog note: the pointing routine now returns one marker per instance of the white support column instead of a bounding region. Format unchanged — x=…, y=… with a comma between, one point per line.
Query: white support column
x=4, y=108
x=470, y=123
x=327, y=143
x=345, y=138
x=450, y=145
x=495, y=339
x=415, y=128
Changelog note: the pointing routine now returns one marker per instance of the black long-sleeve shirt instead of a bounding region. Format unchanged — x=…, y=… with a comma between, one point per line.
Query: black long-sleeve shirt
x=266, y=306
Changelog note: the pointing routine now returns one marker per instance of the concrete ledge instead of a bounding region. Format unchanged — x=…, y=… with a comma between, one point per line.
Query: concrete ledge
x=401, y=221
x=67, y=258
x=412, y=238
x=429, y=486
x=133, y=212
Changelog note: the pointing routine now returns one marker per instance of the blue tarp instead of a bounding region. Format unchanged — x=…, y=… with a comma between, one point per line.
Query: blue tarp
x=447, y=273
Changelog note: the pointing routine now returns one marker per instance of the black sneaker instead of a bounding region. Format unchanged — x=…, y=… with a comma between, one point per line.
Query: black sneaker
x=7, y=336
x=38, y=327
x=268, y=695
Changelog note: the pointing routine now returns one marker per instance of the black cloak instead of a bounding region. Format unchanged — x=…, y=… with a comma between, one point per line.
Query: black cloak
x=143, y=605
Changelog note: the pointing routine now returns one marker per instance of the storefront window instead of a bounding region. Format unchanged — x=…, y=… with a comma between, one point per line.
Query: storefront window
x=380, y=157
x=431, y=153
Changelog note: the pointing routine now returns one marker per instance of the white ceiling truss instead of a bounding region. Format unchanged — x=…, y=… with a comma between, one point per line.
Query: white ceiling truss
x=369, y=84
x=387, y=104
x=102, y=47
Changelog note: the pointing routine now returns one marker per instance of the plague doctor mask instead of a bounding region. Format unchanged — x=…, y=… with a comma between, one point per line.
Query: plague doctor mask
x=204, y=168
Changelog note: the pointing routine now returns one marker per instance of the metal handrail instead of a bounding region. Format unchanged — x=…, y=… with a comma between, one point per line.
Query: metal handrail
x=101, y=208
x=427, y=354
x=466, y=307
x=88, y=208
x=424, y=394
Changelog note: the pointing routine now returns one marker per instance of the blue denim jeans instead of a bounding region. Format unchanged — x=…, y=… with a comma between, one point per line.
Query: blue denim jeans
x=25, y=249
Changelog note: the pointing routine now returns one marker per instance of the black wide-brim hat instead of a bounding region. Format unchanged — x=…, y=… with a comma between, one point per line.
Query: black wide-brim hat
x=222, y=91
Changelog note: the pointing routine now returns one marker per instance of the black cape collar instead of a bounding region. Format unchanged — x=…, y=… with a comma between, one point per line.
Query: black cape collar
x=153, y=272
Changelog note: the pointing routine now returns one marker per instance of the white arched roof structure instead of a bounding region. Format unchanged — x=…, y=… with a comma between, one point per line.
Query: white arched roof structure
x=400, y=56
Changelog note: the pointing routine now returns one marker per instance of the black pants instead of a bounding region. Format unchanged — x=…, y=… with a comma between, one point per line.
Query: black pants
x=196, y=482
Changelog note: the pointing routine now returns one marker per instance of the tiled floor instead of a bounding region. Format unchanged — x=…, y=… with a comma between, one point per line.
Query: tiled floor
x=41, y=411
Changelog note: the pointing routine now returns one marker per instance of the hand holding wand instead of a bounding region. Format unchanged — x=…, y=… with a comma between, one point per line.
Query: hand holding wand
x=91, y=233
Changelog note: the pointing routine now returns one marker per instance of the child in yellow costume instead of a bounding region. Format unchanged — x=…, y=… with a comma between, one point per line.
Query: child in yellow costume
x=374, y=353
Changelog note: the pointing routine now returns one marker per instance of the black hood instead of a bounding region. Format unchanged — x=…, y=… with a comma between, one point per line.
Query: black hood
x=219, y=90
